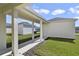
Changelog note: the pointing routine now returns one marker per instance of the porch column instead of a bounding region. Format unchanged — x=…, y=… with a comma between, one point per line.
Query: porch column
x=14, y=33
x=33, y=30
x=2, y=32
x=41, y=30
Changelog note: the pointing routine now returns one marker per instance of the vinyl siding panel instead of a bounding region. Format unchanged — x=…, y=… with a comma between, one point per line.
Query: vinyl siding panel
x=61, y=28
x=27, y=31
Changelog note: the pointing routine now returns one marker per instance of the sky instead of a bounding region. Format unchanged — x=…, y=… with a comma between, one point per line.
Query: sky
x=51, y=10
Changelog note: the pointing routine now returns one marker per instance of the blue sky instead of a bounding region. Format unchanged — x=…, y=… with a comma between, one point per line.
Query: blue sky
x=52, y=10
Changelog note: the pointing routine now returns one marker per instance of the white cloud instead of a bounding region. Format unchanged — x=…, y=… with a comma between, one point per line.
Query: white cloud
x=58, y=11
x=77, y=11
x=72, y=10
x=44, y=11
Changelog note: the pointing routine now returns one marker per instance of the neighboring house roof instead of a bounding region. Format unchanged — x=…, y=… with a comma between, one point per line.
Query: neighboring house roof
x=26, y=24
x=59, y=18
x=8, y=25
x=76, y=28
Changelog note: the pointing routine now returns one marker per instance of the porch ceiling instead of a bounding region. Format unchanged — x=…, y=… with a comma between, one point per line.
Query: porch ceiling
x=23, y=12
x=26, y=14
x=7, y=6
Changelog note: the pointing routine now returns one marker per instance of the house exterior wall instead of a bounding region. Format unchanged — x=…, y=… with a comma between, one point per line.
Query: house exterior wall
x=20, y=29
x=59, y=28
x=8, y=30
x=27, y=31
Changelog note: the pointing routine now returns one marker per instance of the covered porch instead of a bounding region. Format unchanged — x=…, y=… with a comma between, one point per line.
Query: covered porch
x=18, y=11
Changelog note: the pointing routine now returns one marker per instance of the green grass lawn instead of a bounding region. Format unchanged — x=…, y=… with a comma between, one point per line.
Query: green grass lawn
x=55, y=47
x=77, y=33
x=22, y=38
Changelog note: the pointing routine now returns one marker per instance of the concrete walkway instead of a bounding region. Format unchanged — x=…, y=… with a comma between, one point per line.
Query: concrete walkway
x=29, y=46
x=24, y=47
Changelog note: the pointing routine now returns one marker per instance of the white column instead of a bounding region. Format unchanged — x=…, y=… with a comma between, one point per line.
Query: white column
x=33, y=30
x=14, y=33
x=2, y=32
x=41, y=30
